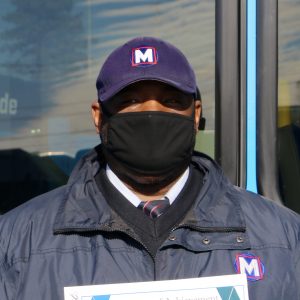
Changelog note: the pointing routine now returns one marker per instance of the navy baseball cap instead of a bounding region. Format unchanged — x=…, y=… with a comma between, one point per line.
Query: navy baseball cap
x=145, y=58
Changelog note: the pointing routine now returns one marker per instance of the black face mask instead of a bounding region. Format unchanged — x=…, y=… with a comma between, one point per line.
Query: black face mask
x=148, y=148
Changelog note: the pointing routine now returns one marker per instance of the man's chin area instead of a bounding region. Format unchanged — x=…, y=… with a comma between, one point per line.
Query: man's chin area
x=147, y=185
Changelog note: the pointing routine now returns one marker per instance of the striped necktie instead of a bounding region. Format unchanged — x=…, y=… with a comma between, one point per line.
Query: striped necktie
x=155, y=208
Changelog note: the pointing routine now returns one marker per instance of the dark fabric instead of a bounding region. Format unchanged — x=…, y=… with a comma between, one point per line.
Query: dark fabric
x=71, y=236
x=149, y=143
x=152, y=232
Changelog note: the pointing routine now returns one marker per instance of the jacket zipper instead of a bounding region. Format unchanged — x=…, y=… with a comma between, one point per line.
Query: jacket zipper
x=104, y=228
x=108, y=228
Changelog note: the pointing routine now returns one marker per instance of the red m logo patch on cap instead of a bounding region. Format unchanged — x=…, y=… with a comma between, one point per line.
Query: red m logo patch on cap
x=143, y=56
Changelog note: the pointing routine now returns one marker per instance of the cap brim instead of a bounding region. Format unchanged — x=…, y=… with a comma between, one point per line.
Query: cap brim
x=122, y=85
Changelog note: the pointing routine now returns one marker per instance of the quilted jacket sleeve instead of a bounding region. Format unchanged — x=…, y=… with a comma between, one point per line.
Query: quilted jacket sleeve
x=297, y=265
x=8, y=276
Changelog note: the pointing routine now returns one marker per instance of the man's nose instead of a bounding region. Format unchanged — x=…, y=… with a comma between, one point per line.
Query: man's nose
x=152, y=105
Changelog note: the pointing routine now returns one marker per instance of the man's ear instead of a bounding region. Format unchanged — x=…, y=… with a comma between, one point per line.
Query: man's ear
x=97, y=115
x=197, y=110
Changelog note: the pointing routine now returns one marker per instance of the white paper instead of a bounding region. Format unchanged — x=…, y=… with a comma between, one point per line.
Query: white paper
x=228, y=287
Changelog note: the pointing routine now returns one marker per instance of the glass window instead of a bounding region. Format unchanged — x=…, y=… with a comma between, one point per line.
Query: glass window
x=51, y=53
x=289, y=102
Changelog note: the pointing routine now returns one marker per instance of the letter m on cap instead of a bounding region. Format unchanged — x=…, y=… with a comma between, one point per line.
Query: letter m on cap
x=144, y=56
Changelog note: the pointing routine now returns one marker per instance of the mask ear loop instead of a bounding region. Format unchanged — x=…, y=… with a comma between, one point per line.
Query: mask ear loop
x=202, y=121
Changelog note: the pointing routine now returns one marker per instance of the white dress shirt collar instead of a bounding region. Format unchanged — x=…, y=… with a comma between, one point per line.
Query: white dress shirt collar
x=134, y=199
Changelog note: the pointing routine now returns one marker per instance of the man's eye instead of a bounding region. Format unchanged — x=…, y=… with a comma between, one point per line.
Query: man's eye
x=129, y=101
x=173, y=102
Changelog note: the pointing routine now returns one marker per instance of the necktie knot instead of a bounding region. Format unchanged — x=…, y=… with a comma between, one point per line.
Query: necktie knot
x=155, y=208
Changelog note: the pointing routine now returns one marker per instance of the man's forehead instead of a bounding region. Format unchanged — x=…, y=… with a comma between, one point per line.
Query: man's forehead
x=142, y=91
x=149, y=84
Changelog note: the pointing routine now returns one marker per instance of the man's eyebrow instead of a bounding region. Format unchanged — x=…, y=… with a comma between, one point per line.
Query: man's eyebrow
x=128, y=89
x=165, y=88
x=169, y=88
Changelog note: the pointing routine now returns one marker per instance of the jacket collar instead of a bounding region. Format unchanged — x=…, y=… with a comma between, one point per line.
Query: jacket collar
x=79, y=208
x=217, y=205
x=215, y=208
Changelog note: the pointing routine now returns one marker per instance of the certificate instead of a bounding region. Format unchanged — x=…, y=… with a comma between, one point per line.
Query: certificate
x=228, y=287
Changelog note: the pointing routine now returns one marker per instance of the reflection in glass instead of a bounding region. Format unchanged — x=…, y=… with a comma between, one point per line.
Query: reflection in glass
x=51, y=53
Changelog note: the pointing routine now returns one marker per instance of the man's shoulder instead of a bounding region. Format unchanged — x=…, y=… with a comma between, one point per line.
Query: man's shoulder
x=255, y=202
x=44, y=208
x=38, y=211
x=265, y=219
x=22, y=227
x=268, y=222
x=255, y=208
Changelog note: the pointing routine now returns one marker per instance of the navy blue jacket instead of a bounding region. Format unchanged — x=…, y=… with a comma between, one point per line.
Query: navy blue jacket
x=60, y=239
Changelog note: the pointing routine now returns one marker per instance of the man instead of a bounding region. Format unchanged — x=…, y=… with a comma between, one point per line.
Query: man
x=98, y=229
